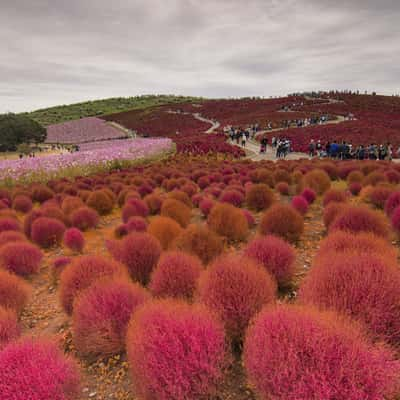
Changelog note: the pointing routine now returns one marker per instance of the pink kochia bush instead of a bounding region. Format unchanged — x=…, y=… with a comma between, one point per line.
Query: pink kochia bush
x=47, y=232
x=11, y=236
x=101, y=315
x=9, y=329
x=392, y=203
x=14, y=291
x=236, y=288
x=395, y=219
x=276, y=255
x=139, y=252
x=20, y=258
x=309, y=195
x=37, y=370
x=9, y=224
x=84, y=218
x=300, y=204
x=293, y=353
x=176, y=351
x=134, y=208
x=365, y=286
x=74, y=240
x=176, y=275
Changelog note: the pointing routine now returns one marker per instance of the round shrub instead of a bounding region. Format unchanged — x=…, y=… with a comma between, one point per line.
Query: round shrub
x=71, y=203
x=84, y=218
x=47, y=232
x=136, y=224
x=14, y=291
x=329, y=358
x=165, y=229
x=232, y=196
x=22, y=204
x=74, y=240
x=51, y=211
x=392, y=202
x=355, y=188
x=282, y=188
x=29, y=220
x=276, y=255
x=9, y=224
x=58, y=266
x=374, y=178
x=154, y=202
x=180, y=196
x=284, y=221
x=21, y=258
x=378, y=196
x=395, y=220
x=309, y=195
x=37, y=370
x=331, y=211
x=200, y=241
x=317, y=180
x=82, y=272
x=11, y=236
x=101, y=316
x=9, y=328
x=139, y=252
x=134, y=208
x=259, y=197
x=101, y=202
x=335, y=195
x=42, y=193
x=175, y=351
x=236, y=288
x=300, y=204
x=206, y=205
x=176, y=275
x=357, y=219
x=355, y=177
x=228, y=221
x=249, y=217
x=176, y=210
x=353, y=284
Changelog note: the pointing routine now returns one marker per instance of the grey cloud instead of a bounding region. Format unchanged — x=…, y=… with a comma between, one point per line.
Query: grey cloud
x=56, y=52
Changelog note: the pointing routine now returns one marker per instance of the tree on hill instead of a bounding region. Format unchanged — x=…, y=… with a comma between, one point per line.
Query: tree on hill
x=16, y=129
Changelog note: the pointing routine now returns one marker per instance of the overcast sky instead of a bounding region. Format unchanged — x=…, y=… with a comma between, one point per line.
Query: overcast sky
x=62, y=51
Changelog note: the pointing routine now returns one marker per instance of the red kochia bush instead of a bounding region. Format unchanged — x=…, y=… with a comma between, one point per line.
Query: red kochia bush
x=37, y=370
x=136, y=224
x=20, y=258
x=331, y=211
x=176, y=210
x=293, y=353
x=101, y=315
x=284, y=221
x=317, y=180
x=11, y=236
x=84, y=218
x=236, y=288
x=165, y=229
x=101, y=202
x=276, y=255
x=232, y=196
x=9, y=224
x=378, y=195
x=228, y=221
x=82, y=272
x=357, y=219
x=206, y=205
x=334, y=195
x=154, y=202
x=58, y=266
x=176, y=351
x=74, y=240
x=355, y=188
x=259, y=197
x=249, y=217
x=47, y=232
x=14, y=291
x=282, y=188
x=176, y=275
x=71, y=203
x=134, y=208
x=139, y=252
x=363, y=285
x=309, y=195
x=9, y=328
x=300, y=204
x=392, y=203
x=395, y=220
x=200, y=241
x=22, y=204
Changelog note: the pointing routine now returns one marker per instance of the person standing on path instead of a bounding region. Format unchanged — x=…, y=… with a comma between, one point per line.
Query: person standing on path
x=244, y=139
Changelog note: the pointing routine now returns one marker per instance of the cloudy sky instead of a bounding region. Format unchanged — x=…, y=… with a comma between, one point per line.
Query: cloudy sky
x=63, y=51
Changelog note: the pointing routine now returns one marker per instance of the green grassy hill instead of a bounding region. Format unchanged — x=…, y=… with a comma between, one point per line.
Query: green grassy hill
x=58, y=114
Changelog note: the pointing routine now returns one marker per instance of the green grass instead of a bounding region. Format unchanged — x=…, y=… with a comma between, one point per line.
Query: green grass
x=58, y=114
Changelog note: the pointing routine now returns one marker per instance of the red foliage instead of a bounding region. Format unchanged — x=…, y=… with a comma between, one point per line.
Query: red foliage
x=14, y=291
x=11, y=236
x=331, y=211
x=293, y=353
x=165, y=229
x=139, y=252
x=335, y=195
x=101, y=315
x=355, y=188
x=136, y=224
x=83, y=272
x=300, y=204
x=176, y=351
x=353, y=283
x=236, y=288
x=395, y=220
x=134, y=208
x=29, y=220
x=378, y=195
x=176, y=210
x=22, y=204
x=47, y=232
x=84, y=218
x=259, y=197
x=206, y=205
x=357, y=219
x=176, y=275
x=228, y=221
x=101, y=202
x=71, y=203
x=232, y=196
x=9, y=328
x=74, y=240
x=392, y=203
x=21, y=258
x=37, y=370
x=9, y=224
x=317, y=180
x=282, y=188
x=41, y=193
x=59, y=265
x=250, y=219
x=276, y=255
x=284, y=221
x=154, y=202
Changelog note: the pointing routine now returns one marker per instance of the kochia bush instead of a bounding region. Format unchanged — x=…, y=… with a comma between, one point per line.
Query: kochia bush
x=47, y=232
x=259, y=197
x=74, y=240
x=9, y=328
x=11, y=236
x=176, y=210
x=101, y=202
x=176, y=351
x=14, y=291
x=84, y=218
x=21, y=258
x=165, y=229
x=300, y=204
x=293, y=353
x=9, y=224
